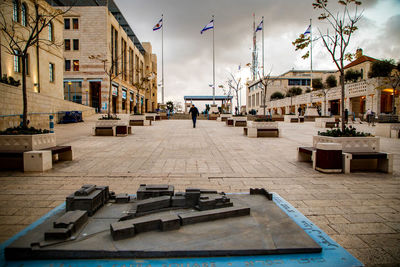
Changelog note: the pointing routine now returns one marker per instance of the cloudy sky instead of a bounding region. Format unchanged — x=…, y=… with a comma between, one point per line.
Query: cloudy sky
x=188, y=54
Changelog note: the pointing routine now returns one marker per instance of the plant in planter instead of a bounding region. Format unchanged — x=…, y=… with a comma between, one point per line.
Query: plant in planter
x=348, y=132
x=264, y=119
x=109, y=117
x=21, y=130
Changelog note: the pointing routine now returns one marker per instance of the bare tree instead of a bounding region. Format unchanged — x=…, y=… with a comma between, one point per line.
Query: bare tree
x=343, y=25
x=265, y=81
x=19, y=37
x=235, y=85
x=111, y=70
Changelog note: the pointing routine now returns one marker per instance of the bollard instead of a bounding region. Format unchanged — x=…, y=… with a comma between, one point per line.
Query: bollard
x=51, y=123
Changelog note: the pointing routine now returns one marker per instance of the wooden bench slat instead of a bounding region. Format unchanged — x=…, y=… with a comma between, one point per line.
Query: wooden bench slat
x=58, y=149
x=368, y=155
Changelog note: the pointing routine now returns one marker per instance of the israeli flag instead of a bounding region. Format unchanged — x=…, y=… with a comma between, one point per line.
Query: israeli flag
x=208, y=26
x=260, y=26
x=158, y=25
x=308, y=31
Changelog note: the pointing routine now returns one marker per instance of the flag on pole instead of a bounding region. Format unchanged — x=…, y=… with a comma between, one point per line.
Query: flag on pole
x=158, y=25
x=260, y=26
x=208, y=26
x=308, y=31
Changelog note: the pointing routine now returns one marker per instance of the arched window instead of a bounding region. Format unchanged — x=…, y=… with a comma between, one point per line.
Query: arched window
x=362, y=73
x=51, y=32
x=24, y=14
x=16, y=16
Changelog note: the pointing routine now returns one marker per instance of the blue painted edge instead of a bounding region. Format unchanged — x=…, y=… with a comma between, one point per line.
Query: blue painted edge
x=332, y=253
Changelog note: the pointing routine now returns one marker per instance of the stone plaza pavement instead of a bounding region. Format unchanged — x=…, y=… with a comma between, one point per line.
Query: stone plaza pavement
x=361, y=211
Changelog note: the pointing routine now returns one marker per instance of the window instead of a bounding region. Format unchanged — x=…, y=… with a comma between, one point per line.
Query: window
x=17, y=62
x=130, y=65
x=76, y=44
x=51, y=32
x=73, y=91
x=24, y=14
x=51, y=72
x=15, y=10
x=76, y=65
x=75, y=24
x=67, y=44
x=67, y=65
x=302, y=82
x=123, y=63
x=114, y=49
x=67, y=24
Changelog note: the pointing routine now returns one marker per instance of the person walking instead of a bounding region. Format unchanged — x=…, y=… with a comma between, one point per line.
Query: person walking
x=195, y=113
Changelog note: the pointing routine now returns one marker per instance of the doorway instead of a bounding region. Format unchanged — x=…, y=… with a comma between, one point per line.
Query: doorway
x=95, y=95
x=114, y=104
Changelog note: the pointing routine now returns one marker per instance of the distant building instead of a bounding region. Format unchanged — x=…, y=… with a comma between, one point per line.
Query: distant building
x=44, y=68
x=281, y=83
x=98, y=28
x=364, y=94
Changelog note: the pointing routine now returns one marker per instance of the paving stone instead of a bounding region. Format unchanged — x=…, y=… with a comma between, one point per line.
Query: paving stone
x=383, y=240
x=171, y=149
x=373, y=256
x=349, y=241
x=362, y=228
x=363, y=218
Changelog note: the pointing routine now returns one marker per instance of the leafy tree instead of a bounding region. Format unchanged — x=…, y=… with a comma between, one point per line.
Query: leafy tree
x=317, y=84
x=308, y=90
x=382, y=68
x=294, y=91
x=352, y=76
x=170, y=106
x=390, y=71
x=277, y=95
x=331, y=81
x=341, y=22
x=18, y=39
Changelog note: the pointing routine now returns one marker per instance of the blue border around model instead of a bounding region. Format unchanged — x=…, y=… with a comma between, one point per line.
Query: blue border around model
x=332, y=253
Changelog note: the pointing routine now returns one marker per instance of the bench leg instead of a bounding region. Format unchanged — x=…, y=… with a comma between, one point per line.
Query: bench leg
x=386, y=165
x=346, y=162
x=66, y=156
x=37, y=161
x=314, y=159
x=303, y=157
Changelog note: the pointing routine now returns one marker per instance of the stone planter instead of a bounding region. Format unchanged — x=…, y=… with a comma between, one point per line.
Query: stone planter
x=25, y=142
x=389, y=130
x=262, y=129
x=240, y=121
x=320, y=122
x=351, y=144
x=150, y=116
x=224, y=117
x=137, y=120
x=293, y=118
x=213, y=117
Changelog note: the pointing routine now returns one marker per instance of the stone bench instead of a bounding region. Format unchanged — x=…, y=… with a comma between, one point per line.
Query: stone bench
x=123, y=130
x=378, y=161
x=240, y=123
x=261, y=132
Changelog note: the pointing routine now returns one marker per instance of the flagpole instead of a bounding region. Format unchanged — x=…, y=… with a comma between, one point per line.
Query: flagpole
x=311, y=53
x=162, y=57
x=213, y=61
x=263, y=45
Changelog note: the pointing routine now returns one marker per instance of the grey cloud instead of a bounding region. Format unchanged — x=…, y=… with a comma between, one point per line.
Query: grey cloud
x=188, y=55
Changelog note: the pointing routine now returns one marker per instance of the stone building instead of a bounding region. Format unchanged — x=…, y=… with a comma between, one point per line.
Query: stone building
x=44, y=67
x=365, y=93
x=99, y=29
x=281, y=83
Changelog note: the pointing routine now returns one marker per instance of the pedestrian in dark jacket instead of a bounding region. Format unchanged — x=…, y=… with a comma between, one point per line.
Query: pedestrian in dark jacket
x=195, y=113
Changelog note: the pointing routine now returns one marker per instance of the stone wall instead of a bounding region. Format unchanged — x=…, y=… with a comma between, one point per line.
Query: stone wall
x=39, y=107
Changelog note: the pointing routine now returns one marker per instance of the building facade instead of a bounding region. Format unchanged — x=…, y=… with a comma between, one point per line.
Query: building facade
x=99, y=45
x=281, y=83
x=44, y=65
x=375, y=94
